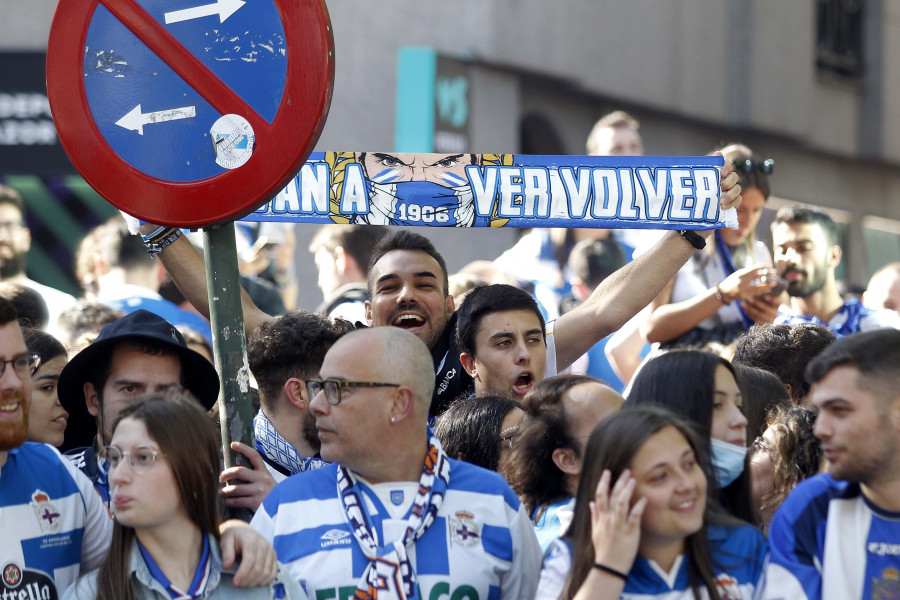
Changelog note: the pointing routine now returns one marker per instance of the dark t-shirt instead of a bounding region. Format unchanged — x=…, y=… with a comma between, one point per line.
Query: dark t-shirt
x=450, y=379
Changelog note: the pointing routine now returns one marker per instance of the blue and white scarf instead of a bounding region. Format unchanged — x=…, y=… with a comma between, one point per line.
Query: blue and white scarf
x=390, y=575
x=271, y=444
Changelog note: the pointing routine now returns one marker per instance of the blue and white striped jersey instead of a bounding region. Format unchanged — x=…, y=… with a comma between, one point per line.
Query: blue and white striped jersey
x=829, y=542
x=739, y=556
x=54, y=525
x=481, y=545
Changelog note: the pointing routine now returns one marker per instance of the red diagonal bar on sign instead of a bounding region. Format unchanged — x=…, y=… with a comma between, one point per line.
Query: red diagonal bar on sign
x=183, y=62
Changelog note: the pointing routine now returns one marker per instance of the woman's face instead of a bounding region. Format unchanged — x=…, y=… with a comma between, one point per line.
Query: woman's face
x=749, y=213
x=509, y=431
x=46, y=416
x=728, y=422
x=674, y=485
x=143, y=500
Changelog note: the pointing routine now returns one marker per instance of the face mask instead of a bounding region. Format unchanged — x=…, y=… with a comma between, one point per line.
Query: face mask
x=728, y=461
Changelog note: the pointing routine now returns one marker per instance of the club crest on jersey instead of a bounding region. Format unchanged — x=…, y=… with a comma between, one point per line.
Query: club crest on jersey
x=397, y=497
x=889, y=584
x=728, y=587
x=49, y=518
x=464, y=530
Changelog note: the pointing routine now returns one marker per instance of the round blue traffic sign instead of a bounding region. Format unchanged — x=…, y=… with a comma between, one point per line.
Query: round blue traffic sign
x=189, y=112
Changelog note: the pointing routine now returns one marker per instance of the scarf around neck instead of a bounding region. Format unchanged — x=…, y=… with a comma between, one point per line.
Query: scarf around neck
x=272, y=445
x=389, y=575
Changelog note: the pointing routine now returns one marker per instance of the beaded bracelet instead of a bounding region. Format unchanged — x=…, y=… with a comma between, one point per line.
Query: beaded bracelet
x=160, y=238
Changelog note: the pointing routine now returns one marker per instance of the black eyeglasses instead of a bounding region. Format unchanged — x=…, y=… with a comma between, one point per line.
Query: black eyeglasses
x=749, y=165
x=141, y=458
x=24, y=365
x=333, y=387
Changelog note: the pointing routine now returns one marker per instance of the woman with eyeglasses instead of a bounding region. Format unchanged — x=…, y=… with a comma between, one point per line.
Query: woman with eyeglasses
x=163, y=463
x=731, y=283
x=783, y=456
x=46, y=416
x=645, y=525
x=480, y=430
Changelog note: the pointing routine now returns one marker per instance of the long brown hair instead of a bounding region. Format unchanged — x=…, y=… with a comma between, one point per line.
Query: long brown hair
x=190, y=442
x=613, y=445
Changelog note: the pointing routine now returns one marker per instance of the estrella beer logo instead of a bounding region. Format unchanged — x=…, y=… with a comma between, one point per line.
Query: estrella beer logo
x=26, y=584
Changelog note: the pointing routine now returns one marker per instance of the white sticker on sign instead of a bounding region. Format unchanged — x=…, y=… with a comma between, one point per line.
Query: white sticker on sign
x=232, y=138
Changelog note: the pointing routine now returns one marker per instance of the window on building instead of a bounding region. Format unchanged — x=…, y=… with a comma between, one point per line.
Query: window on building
x=839, y=27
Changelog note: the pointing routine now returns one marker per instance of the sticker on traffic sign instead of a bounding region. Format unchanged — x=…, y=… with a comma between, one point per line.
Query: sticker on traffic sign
x=189, y=112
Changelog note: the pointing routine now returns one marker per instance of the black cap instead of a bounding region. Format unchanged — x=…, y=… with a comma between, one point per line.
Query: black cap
x=199, y=376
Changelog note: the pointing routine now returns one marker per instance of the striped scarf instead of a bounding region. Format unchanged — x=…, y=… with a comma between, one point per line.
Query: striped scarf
x=270, y=443
x=389, y=575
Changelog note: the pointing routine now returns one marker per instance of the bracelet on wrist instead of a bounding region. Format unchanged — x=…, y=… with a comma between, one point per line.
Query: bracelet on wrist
x=694, y=239
x=721, y=297
x=157, y=241
x=611, y=571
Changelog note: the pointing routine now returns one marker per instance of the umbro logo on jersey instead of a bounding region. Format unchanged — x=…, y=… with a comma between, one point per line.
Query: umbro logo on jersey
x=335, y=537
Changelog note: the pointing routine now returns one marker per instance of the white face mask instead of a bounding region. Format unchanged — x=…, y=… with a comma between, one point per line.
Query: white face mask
x=728, y=461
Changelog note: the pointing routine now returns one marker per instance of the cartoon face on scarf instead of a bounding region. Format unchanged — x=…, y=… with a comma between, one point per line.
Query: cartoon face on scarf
x=419, y=189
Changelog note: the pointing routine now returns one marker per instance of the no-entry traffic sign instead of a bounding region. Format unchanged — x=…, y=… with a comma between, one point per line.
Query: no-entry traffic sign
x=189, y=112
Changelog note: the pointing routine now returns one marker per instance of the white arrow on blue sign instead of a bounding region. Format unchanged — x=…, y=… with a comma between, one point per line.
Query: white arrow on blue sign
x=135, y=119
x=223, y=8
x=129, y=87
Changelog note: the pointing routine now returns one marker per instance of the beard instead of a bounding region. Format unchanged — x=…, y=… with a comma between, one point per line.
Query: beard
x=308, y=431
x=14, y=433
x=804, y=288
x=12, y=266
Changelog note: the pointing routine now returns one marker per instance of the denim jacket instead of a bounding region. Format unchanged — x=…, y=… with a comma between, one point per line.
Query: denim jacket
x=219, y=586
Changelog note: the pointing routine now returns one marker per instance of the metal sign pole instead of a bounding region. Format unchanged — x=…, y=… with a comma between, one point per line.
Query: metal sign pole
x=229, y=345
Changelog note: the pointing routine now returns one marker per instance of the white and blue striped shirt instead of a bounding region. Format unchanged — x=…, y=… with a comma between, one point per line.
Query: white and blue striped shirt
x=480, y=546
x=54, y=525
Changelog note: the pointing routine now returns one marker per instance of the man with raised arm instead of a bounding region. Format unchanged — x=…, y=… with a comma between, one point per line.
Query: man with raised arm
x=408, y=288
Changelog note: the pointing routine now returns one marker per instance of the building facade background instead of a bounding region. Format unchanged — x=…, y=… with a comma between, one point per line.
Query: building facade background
x=814, y=84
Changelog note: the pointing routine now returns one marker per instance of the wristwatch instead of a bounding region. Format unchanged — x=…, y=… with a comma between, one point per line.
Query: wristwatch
x=695, y=240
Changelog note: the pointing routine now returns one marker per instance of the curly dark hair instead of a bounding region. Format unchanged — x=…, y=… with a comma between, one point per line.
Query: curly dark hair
x=794, y=451
x=784, y=350
x=293, y=345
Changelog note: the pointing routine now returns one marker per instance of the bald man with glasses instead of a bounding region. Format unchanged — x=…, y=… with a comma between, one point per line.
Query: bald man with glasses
x=394, y=516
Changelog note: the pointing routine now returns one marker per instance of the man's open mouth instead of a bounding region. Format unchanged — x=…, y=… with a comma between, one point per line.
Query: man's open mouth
x=408, y=321
x=523, y=382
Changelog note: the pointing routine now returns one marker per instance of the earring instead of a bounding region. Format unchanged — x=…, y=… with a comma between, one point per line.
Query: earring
x=393, y=419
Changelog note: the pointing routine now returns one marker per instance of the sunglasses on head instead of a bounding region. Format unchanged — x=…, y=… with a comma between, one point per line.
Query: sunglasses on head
x=749, y=165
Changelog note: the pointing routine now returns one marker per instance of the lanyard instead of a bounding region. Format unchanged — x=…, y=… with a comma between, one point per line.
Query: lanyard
x=731, y=268
x=197, y=588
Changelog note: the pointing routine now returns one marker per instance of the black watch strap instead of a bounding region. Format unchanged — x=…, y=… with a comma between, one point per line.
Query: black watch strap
x=695, y=240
